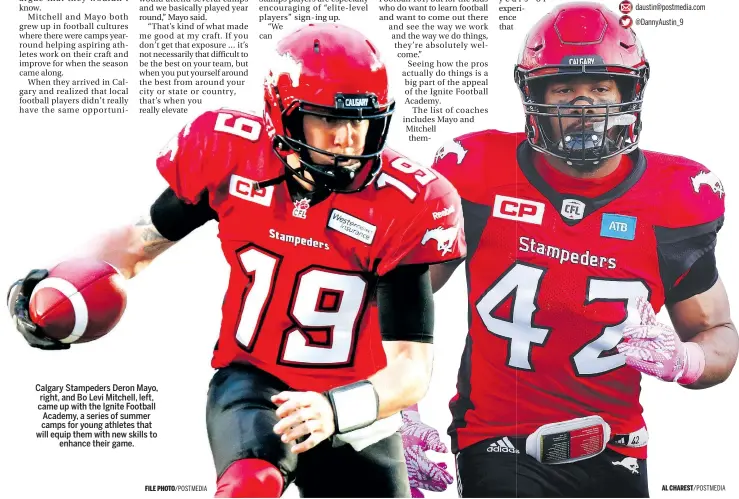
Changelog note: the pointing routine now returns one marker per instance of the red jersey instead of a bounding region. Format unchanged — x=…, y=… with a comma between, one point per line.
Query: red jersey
x=553, y=279
x=300, y=299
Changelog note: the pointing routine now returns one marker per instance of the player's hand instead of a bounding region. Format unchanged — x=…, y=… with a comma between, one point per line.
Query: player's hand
x=303, y=414
x=417, y=439
x=656, y=349
x=19, y=296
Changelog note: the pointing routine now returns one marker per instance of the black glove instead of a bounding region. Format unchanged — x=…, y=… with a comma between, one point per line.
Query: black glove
x=19, y=296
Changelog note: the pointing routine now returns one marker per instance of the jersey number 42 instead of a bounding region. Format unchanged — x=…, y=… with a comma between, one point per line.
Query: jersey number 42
x=523, y=282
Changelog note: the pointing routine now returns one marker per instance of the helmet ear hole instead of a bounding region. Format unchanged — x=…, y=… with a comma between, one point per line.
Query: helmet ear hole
x=635, y=129
x=533, y=130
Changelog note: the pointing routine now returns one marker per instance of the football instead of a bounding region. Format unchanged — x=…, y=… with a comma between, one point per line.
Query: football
x=80, y=301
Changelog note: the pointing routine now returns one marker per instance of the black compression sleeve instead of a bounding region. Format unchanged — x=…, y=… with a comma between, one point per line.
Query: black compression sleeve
x=174, y=218
x=687, y=262
x=702, y=276
x=405, y=304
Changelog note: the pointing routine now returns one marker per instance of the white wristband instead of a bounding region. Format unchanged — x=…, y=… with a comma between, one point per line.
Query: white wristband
x=355, y=406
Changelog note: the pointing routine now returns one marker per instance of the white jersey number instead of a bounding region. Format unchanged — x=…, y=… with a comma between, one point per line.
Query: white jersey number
x=324, y=301
x=423, y=175
x=523, y=283
x=243, y=127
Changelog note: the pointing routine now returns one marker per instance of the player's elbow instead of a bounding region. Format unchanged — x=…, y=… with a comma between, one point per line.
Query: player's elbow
x=729, y=351
x=133, y=252
x=129, y=248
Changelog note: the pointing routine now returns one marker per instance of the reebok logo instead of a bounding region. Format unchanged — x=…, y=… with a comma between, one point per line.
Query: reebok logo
x=503, y=445
x=443, y=213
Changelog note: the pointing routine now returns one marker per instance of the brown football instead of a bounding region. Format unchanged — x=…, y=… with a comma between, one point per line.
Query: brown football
x=81, y=300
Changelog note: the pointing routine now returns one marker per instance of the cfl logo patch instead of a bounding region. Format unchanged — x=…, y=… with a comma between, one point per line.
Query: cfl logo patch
x=573, y=209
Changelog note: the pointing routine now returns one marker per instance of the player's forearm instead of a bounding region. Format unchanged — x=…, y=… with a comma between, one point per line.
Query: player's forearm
x=720, y=344
x=403, y=382
x=130, y=248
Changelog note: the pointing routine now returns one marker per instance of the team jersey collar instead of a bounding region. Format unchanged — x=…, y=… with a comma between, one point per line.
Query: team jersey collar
x=586, y=187
x=553, y=182
x=298, y=192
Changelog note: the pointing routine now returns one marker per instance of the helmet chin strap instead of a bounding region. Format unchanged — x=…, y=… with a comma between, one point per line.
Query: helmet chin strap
x=620, y=120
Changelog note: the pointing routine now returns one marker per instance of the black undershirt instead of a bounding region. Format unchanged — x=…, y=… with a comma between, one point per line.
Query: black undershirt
x=174, y=218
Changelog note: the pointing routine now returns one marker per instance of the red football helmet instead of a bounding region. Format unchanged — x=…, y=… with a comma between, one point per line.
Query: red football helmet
x=335, y=72
x=578, y=39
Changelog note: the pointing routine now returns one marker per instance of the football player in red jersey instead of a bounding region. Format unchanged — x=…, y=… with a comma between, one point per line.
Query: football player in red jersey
x=575, y=236
x=329, y=236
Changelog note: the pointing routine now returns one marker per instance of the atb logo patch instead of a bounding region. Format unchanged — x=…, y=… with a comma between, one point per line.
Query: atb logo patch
x=444, y=237
x=573, y=209
x=244, y=188
x=711, y=180
x=451, y=147
x=618, y=226
x=301, y=208
x=630, y=463
x=351, y=226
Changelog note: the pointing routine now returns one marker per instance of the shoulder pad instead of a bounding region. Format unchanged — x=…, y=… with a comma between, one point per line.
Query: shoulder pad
x=426, y=212
x=475, y=162
x=413, y=182
x=691, y=193
x=204, y=153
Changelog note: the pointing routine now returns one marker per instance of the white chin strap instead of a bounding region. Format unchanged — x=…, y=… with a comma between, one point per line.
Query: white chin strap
x=621, y=119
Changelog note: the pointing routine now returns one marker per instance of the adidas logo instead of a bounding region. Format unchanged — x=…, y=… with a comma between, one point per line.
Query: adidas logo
x=503, y=445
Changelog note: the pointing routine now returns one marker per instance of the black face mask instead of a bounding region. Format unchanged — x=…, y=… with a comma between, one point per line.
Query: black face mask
x=601, y=132
x=605, y=129
x=334, y=177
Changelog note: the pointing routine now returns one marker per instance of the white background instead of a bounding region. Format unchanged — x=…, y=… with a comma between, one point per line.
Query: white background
x=64, y=179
